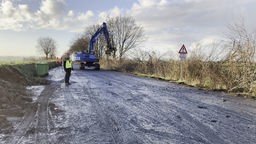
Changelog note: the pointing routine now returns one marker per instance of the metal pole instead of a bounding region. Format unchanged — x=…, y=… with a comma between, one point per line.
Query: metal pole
x=181, y=69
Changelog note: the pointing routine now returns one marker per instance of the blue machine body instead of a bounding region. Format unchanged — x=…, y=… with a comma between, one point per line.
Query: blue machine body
x=84, y=57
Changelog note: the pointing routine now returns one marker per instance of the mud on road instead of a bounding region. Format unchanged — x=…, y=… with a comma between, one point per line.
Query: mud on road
x=102, y=107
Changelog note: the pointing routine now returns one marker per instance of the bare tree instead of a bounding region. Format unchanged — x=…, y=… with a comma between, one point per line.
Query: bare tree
x=53, y=53
x=242, y=43
x=125, y=33
x=47, y=46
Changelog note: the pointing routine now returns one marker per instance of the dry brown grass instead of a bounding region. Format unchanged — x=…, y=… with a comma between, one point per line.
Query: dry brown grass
x=224, y=76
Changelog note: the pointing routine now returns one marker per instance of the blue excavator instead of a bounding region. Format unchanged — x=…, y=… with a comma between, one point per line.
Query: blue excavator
x=88, y=58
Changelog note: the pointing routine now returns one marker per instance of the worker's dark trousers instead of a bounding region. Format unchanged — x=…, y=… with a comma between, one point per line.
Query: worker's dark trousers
x=67, y=76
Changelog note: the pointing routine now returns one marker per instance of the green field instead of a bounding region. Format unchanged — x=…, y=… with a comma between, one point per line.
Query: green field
x=12, y=60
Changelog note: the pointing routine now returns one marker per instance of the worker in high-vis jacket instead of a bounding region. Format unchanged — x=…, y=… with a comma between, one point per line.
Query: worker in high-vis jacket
x=67, y=64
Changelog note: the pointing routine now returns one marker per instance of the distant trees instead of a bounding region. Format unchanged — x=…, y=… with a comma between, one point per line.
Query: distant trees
x=79, y=44
x=47, y=46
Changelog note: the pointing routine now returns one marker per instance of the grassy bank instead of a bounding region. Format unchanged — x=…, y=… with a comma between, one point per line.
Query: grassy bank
x=24, y=73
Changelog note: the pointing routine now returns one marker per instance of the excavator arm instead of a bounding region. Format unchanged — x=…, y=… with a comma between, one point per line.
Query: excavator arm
x=102, y=30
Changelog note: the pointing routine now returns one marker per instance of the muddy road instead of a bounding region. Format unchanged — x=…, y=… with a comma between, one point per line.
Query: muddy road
x=106, y=107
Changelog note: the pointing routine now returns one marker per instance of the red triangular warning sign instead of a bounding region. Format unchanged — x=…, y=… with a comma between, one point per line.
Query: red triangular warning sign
x=183, y=50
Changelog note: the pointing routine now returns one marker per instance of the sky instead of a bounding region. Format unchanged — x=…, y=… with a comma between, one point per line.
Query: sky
x=168, y=24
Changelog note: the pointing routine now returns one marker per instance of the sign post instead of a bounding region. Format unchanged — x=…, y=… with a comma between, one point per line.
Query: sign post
x=183, y=54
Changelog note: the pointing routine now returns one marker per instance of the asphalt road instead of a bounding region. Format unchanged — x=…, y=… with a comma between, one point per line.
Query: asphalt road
x=107, y=107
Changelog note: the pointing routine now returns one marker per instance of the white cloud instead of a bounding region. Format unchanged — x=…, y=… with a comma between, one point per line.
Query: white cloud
x=84, y=17
x=53, y=8
x=51, y=14
x=70, y=13
x=103, y=15
x=14, y=17
x=148, y=3
x=114, y=12
x=24, y=11
x=7, y=8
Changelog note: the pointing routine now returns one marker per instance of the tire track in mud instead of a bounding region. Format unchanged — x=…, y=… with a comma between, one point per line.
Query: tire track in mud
x=74, y=126
x=213, y=111
x=40, y=116
x=107, y=122
x=21, y=129
x=70, y=130
x=98, y=125
x=111, y=120
x=42, y=127
x=217, y=118
x=150, y=111
x=145, y=107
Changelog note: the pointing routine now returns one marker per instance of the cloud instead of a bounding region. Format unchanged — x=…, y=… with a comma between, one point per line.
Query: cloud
x=171, y=23
x=184, y=14
x=49, y=15
x=7, y=8
x=52, y=8
x=52, y=14
x=85, y=16
x=102, y=16
x=14, y=17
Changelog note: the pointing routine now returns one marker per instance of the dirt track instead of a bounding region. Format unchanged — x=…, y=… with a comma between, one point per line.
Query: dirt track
x=111, y=107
